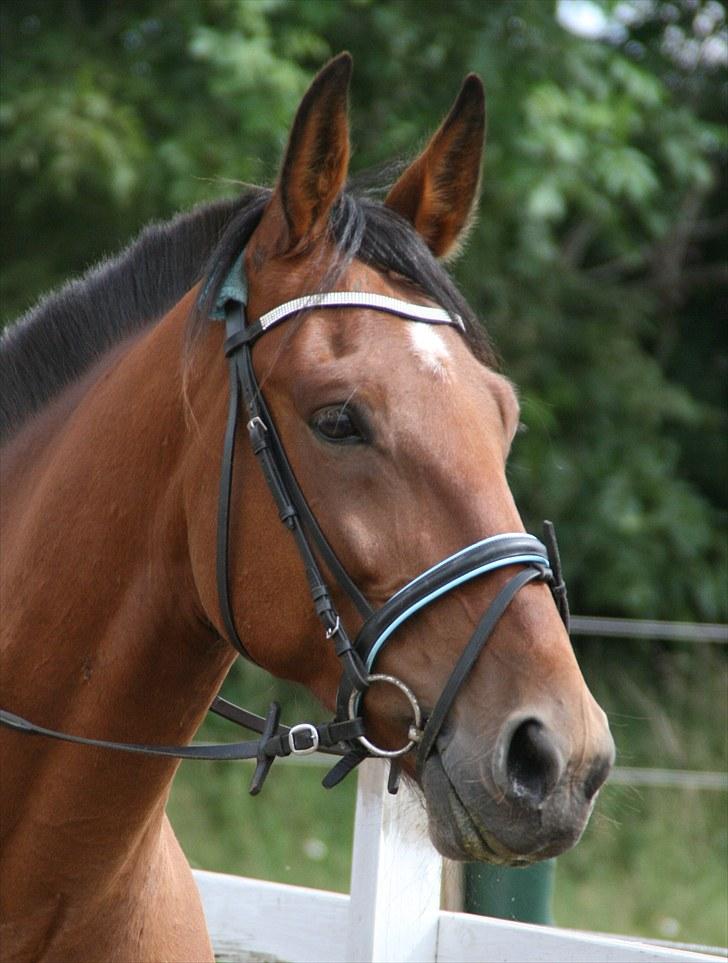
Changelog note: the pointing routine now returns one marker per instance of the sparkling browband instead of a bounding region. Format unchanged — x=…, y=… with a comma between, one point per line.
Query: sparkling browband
x=359, y=299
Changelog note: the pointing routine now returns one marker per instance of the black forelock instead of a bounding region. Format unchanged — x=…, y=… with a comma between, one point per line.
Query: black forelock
x=362, y=228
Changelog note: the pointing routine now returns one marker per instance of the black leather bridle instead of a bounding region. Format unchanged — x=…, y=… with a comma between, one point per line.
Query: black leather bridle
x=345, y=735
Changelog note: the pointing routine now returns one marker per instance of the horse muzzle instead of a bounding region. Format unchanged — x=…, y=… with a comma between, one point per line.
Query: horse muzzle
x=523, y=799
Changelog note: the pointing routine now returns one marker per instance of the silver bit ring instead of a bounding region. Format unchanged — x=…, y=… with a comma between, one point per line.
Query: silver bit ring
x=414, y=733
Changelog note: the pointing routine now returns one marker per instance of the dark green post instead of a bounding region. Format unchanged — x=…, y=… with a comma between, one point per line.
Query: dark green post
x=509, y=893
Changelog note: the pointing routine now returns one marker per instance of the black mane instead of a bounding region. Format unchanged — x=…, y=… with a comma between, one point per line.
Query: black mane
x=54, y=343
x=57, y=340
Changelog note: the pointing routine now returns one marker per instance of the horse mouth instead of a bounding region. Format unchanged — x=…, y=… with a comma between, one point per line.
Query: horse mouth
x=458, y=832
x=453, y=828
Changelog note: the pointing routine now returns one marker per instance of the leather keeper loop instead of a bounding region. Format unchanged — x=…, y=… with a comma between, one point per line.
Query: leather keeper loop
x=342, y=644
x=287, y=513
x=354, y=669
x=242, y=337
x=258, y=435
x=343, y=767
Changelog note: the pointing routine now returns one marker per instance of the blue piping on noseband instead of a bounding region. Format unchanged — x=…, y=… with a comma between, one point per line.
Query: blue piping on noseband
x=452, y=558
x=539, y=560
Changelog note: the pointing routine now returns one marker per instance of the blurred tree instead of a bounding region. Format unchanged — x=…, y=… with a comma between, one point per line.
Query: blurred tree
x=596, y=261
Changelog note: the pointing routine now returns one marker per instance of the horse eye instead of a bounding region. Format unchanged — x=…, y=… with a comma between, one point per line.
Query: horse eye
x=337, y=423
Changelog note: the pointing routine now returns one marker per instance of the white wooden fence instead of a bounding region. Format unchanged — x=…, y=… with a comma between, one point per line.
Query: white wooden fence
x=393, y=913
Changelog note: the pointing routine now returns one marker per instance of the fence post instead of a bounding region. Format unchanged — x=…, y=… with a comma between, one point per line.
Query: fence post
x=395, y=875
x=519, y=894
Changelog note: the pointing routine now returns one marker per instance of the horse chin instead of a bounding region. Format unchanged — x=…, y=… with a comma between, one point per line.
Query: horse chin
x=453, y=830
x=460, y=831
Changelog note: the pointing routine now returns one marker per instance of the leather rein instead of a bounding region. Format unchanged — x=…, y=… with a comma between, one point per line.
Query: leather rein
x=345, y=734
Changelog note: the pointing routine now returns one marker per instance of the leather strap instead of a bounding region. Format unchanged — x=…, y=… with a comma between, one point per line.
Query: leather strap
x=233, y=750
x=472, y=561
x=222, y=559
x=255, y=404
x=359, y=299
x=290, y=503
x=558, y=585
x=467, y=660
x=327, y=737
x=344, y=766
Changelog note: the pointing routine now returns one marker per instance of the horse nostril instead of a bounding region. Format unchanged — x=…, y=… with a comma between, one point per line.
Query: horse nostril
x=597, y=775
x=533, y=765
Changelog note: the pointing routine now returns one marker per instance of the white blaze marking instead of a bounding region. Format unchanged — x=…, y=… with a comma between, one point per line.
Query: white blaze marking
x=429, y=347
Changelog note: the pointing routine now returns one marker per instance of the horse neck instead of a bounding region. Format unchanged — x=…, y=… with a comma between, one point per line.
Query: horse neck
x=102, y=634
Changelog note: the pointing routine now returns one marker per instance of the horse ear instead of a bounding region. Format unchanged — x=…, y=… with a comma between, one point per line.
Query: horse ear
x=438, y=192
x=316, y=161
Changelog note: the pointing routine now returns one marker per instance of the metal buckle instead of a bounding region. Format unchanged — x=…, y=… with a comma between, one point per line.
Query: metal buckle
x=256, y=422
x=414, y=733
x=303, y=727
x=334, y=629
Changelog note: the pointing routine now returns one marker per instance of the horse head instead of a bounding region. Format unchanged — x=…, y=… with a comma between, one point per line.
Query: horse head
x=397, y=433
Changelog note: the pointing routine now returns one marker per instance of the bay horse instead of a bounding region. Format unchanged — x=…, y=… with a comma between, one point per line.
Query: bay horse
x=382, y=428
